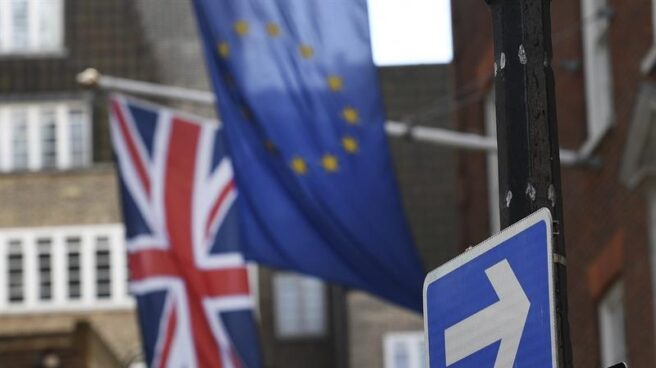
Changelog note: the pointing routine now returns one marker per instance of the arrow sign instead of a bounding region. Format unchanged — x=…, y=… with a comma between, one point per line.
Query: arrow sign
x=503, y=320
x=493, y=306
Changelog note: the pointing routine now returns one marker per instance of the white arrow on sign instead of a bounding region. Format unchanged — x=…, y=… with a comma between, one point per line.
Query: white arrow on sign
x=503, y=320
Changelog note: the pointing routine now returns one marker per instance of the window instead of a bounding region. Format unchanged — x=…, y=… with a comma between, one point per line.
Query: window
x=19, y=142
x=62, y=269
x=405, y=350
x=48, y=139
x=103, y=269
x=15, y=271
x=31, y=26
x=420, y=32
x=611, y=326
x=45, y=268
x=79, y=150
x=598, y=80
x=300, y=306
x=44, y=135
x=73, y=267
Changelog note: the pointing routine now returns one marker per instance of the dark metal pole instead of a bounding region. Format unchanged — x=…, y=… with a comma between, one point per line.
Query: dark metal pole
x=527, y=134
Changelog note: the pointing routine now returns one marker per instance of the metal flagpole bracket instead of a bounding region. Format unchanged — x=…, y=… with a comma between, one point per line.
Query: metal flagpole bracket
x=559, y=259
x=88, y=78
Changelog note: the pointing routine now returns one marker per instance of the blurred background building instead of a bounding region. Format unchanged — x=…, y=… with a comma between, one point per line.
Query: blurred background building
x=64, y=299
x=62, y=253
x=604, y=58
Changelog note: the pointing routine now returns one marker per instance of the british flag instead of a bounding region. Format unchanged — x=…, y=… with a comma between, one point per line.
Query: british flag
x=188, y=276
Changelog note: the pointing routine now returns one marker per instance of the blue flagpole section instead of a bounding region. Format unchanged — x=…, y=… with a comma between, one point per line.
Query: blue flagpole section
x=298, y=93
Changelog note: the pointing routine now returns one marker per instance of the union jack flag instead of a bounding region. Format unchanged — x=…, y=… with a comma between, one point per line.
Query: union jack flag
x=187, y=273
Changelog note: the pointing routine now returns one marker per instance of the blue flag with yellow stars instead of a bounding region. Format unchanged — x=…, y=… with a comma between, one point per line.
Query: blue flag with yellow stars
x=299, y=98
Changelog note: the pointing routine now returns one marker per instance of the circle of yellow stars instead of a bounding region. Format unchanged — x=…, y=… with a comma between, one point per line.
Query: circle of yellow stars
x=329, y=162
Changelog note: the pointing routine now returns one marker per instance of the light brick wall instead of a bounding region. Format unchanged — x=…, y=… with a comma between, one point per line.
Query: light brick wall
x=597, y=206
x=59, y=198
x=118, y=329
x=369, y=320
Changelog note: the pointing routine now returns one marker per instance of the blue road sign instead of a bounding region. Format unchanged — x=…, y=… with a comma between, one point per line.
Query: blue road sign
x=493, y=306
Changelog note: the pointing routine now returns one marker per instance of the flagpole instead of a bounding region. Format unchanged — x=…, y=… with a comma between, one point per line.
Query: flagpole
x=527, y=133
x=442, y=137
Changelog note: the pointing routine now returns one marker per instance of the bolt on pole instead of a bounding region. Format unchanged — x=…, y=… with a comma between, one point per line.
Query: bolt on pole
x=527, y=133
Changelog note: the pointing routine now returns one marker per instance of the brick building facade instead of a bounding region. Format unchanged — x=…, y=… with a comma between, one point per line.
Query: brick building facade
x=61, y=247
x=603, y=59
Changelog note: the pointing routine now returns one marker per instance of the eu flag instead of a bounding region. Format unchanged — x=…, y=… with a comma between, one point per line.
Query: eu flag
x=298, y=93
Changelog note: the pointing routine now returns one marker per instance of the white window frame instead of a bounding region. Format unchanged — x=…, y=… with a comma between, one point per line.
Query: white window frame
x=73, y=248
x=60, y=301
x=103, y=243
x=35, y=46
x=40, y=252
x=612, y=303
x=597, y=68
x=415, y=344
x=10, y=248
x=34, y=110
x=280, y=304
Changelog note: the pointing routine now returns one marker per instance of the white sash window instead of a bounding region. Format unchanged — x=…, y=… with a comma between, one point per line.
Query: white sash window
x=63, y=268
x=45, y=135
x=300, y=306
x=405, y=350
x=611, y=326
x=15, y=273
x=44, y=248
x=31, y=26
x=597, y=62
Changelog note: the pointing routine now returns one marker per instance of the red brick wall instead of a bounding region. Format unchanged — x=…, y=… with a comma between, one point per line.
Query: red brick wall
x=597, y=206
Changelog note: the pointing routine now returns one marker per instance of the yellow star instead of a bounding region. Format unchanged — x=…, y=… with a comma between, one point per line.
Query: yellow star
x=335, y=83
x=330, y=163
x=227, y=77
x=306, y=51
x=299, y=166
x=241, y=27
x=350, y=115
x=224, y=49
x=272, y=29
x=246, y=113
x=350, y=144
x=270, y=146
